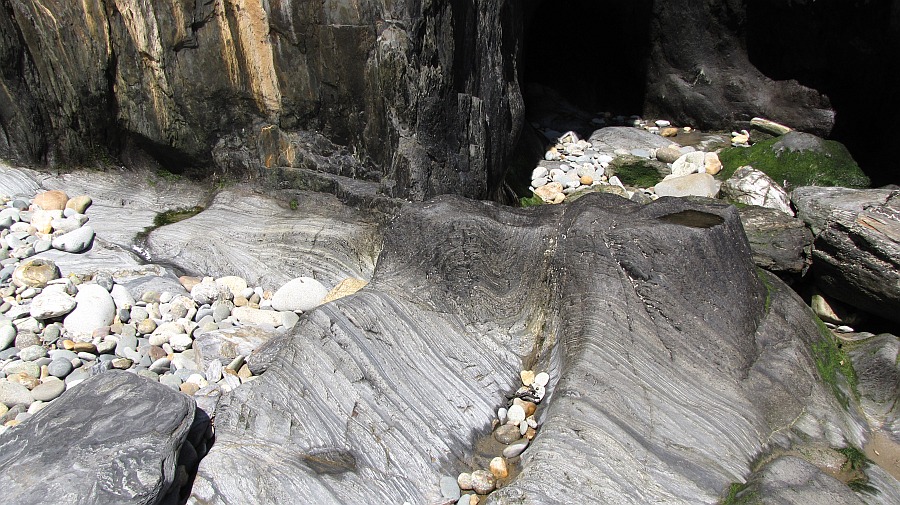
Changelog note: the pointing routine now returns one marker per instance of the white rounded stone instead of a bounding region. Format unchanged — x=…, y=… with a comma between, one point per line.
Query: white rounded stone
x=515, y=415
x=302, y=293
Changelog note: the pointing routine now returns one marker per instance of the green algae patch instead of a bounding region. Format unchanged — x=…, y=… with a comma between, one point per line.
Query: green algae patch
x=175, y=215
x=635, y=172
x=797, y=159
x=834, y=365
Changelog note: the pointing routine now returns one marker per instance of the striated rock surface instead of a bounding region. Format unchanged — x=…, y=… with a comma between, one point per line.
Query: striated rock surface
x=123, y=431
x=271, y=243
x=671, y=367
x=856, y=252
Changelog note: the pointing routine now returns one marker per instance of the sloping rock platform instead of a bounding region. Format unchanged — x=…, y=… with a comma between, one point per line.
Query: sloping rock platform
x=674, y=363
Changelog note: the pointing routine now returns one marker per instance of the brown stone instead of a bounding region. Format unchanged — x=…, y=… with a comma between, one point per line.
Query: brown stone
x=498, y=468
x=712, y=164
x=587, y=180
x=189, y=282
x=530, y=433
x=189, y=388
x=344, y=288
x=669, y=131
x=52, y=200
x=507, y=434
x=668, y=154
x=68, y=344
x=24, y=379
x=79, y=203
x=548, y=192
x=156, y=352
x=85, y=347
x=35, y=273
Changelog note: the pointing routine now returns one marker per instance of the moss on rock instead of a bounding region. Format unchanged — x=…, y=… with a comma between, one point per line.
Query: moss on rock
x=636, y=172
x=798, y=158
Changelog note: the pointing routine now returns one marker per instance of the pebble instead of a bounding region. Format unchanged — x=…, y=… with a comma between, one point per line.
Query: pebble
x=32, y=352
x=483, y=482
x=60, y=367
x=464, y=481
x=35, y=272
x=160, y=366
x=76, y=241
x=515, y=414
x=51, y=200
x=12, y=393
x=542, y=379
x=498, y=468
x=302, y=293
x=95, y=308
x=513, y=450
x=7, y=335
x=49, y=389
x=449, y=488
x=205, y=292
x=173, y=381
x=507, y=434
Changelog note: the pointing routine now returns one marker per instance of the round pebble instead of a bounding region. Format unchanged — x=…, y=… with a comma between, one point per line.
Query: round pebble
x=49, y=389
x=449, y=488
x=464, y=481
x=515, y=449
x=32, y=353
x=516, y=414
x=60, y=367
x=542, y=379
x=498, y=468
x=483, y=482
x=507, y=434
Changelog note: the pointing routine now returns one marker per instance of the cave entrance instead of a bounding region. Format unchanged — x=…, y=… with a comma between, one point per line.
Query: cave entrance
x=583, y=58
x=845, y=50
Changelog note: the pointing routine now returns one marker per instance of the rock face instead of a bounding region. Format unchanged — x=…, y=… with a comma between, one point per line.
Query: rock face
x=706, y=78
x=856, y=252
x=779, y=243
x=124, y=432
x=669, y=362
x=419, y=98
x=381, y=80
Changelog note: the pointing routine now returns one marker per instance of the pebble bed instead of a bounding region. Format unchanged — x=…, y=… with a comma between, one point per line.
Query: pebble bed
x=56, y=331
x=514, y=428
x=572, y=165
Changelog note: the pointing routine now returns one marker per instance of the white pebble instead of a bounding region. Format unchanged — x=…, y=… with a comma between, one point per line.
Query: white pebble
x=516, y=414
x=501, y=415
x=542, y=379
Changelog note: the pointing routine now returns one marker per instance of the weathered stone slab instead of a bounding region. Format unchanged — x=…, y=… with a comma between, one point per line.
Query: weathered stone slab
x=113, y=439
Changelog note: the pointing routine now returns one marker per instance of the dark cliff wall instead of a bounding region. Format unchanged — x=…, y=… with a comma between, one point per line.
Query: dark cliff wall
x=424, y=91
x=420, y=96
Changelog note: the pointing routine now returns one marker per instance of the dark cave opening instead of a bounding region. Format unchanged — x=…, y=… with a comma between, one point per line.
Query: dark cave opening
x=845, y=50
x=590, y=54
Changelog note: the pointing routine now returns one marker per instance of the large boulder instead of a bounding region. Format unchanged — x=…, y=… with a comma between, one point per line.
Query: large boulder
x=856, y=253
x=673, y=362
x=123, y=431
x=779, y=243
x=797, y=159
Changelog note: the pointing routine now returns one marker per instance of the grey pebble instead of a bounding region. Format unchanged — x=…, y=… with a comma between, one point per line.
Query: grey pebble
x=7, y=336
x=60, y=367
x=449, y=488
x=49, y=389
x=159, y=366
x=173, y=381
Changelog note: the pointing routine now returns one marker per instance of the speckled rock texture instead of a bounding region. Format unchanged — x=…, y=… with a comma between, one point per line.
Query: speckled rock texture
x=113, y=440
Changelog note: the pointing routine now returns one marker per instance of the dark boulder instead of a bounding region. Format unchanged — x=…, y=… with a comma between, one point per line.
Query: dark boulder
x=112, y=440
x=856, y=253
x=673, y=363
x=779, y=243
